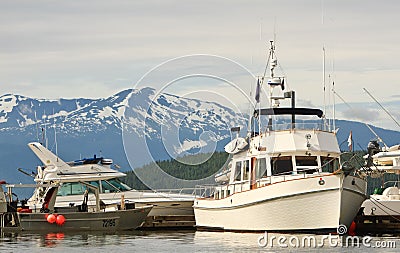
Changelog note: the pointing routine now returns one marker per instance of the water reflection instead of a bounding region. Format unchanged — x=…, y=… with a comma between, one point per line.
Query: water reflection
x=167, y=241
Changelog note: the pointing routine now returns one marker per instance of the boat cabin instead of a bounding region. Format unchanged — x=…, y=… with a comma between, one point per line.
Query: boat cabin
x=258, y=171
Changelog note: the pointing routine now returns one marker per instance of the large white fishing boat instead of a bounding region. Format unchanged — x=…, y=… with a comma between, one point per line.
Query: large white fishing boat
x=98, y=172
x=287, y=178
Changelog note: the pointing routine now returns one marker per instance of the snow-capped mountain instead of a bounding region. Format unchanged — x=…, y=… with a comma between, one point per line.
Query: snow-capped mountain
x=168, y=125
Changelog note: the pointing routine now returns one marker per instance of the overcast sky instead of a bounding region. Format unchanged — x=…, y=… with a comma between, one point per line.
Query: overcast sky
x=68, y=49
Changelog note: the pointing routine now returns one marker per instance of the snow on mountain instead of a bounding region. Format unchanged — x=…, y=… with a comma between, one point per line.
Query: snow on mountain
x=88, y=126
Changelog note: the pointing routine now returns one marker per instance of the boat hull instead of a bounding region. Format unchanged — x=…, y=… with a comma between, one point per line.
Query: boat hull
x=296, y=205
x=381, y=207
x=86, y=221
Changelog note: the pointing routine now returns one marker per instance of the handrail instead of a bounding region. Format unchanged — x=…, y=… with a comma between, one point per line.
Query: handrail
x=178, y=191
x=391, y=181
x=298, y=126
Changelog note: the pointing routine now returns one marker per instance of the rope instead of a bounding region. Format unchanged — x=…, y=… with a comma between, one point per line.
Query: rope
x=377, y=202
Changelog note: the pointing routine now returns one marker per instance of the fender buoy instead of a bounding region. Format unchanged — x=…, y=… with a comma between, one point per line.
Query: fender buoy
x=51, y=218
x=352, y=229
x=60, y=220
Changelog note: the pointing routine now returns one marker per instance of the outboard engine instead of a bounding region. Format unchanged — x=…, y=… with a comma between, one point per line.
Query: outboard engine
x=372, y=149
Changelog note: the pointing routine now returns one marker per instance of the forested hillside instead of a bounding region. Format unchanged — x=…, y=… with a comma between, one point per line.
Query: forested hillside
x=219, y=159
x=189, y=167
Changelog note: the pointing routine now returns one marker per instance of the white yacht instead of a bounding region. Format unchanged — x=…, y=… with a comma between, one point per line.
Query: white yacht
x=98, y=172
x=287, y=178
x=385, y=201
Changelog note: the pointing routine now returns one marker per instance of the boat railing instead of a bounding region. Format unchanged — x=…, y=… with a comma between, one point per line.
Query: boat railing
x=177, y=191
x=299, y=125
x=204, y=191
x=394, y=182
x=225, y=190
x=222, y=191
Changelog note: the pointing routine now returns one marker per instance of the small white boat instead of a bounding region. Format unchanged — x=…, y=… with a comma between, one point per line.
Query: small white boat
x=97, y=171
x=75, y=218
x=223, y=176
x=236, y=145
x=385, y=201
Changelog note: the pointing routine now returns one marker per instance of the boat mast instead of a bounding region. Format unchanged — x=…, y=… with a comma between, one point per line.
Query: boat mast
x=383, y=108
x=334, y=104
x=273, y=64
x=274, y=81
x=323, y=83
x=370, y=128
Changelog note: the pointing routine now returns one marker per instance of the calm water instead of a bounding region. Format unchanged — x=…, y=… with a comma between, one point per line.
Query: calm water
x=166, y=241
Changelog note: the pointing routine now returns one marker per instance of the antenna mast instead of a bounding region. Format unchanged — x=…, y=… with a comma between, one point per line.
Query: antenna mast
x=55, y=134
x=323, y=82
x=383, y=108
x=370, y=129
x=334, y=113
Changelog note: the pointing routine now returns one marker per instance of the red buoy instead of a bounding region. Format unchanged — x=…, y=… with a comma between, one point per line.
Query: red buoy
x=352, y=229
x=60, y=235
x=60, y=220
x=51, y=218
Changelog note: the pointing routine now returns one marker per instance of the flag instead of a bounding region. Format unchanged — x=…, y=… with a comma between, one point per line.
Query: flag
x=350, y=141
x=258, y=88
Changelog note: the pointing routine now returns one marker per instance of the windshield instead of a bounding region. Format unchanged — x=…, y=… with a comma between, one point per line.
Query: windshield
x=106, y=186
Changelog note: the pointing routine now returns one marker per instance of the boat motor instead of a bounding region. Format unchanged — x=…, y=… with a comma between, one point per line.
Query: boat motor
x=372, y=149
x=347, y=168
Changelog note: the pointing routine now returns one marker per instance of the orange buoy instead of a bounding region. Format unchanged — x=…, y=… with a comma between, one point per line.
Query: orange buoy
x=50, y=236
x=51, y=218
x=60, y=235
x=60, y=220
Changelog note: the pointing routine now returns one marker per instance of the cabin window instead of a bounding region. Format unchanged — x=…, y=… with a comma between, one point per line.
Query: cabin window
x=113, y=185
x=95, y=184
x=329, y=164
x=238, y=171
x=107, y=187
x=246, y=170
x=67, y=189
x=216, y=195
x=118, y=184
x=306, y=164
x=281, y=165
x=261, y=168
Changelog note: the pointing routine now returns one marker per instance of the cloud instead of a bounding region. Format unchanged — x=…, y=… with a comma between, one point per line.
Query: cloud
x=53, y=49
x=305, y=103
x=362, y=114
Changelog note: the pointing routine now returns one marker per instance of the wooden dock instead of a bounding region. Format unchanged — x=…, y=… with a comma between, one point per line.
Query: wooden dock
x=169, y=222
x=377, y=224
